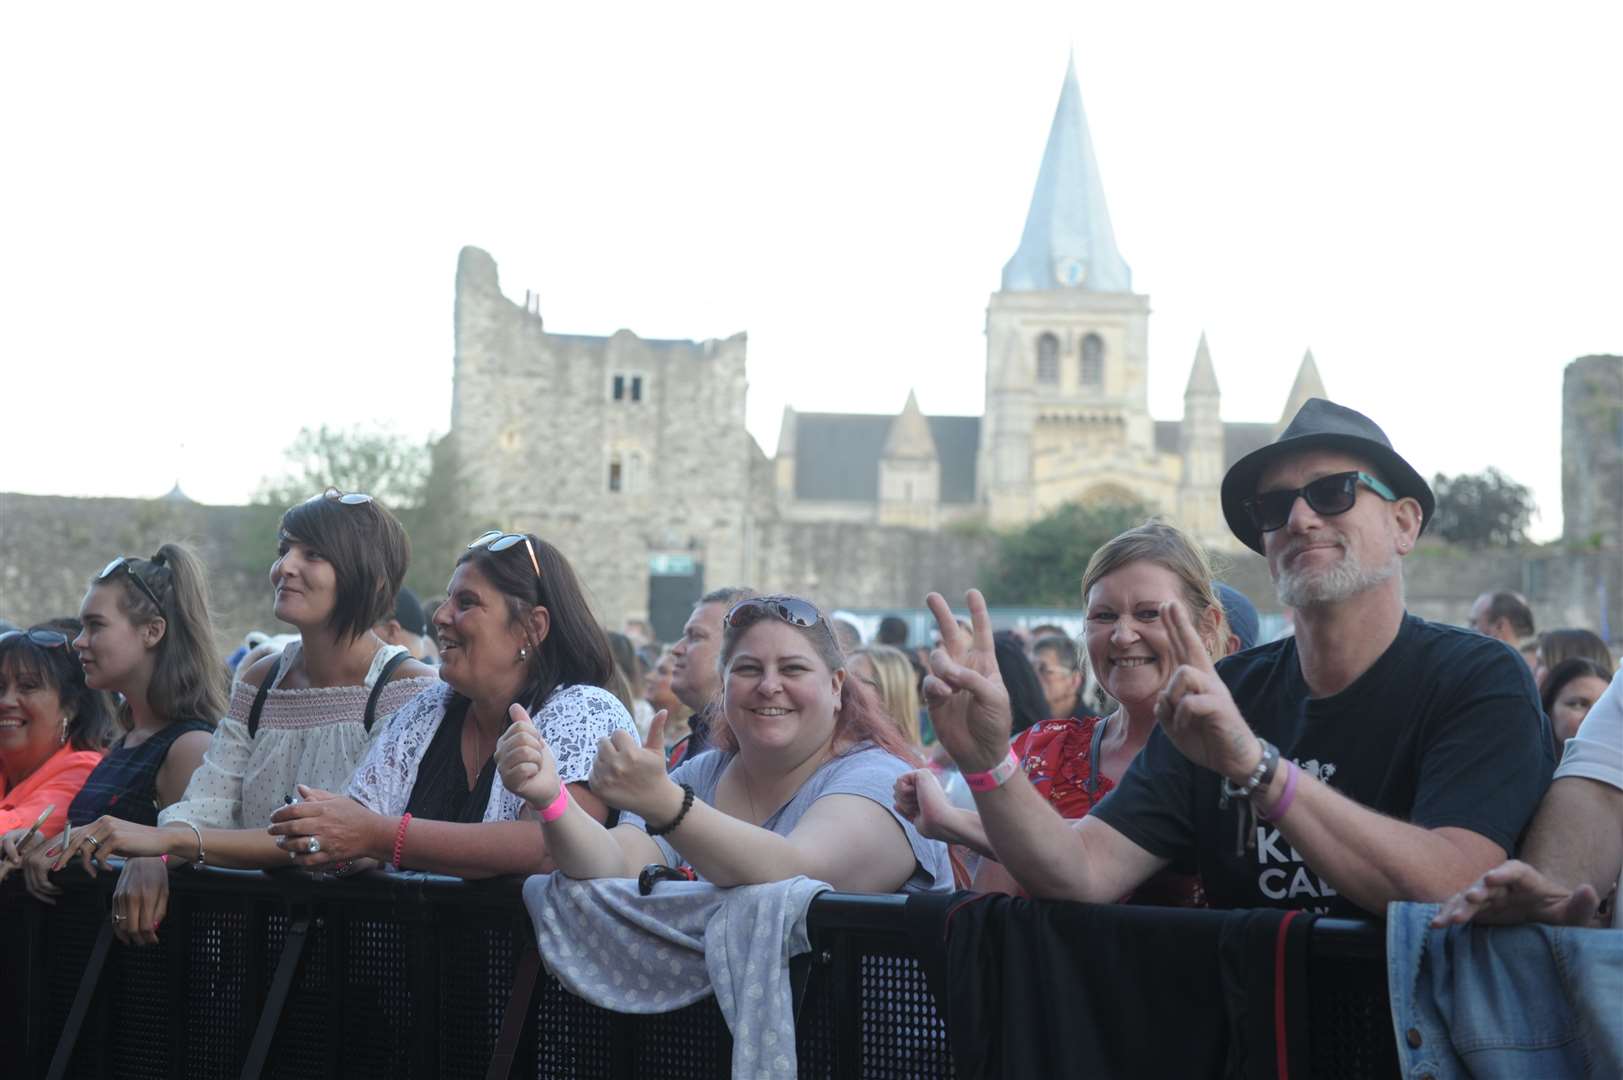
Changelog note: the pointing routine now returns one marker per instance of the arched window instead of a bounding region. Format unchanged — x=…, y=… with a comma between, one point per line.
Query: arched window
x=1093, y=361
x=1048, y=359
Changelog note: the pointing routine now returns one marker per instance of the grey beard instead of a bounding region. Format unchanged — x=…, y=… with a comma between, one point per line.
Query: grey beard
x=1345, y=579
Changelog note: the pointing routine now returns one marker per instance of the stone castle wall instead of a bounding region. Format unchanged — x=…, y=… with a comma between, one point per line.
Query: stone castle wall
x=1592, y=452
x=51, y=547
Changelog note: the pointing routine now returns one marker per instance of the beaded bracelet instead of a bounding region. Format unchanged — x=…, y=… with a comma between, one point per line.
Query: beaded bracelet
x=400, y=839
x=687, y=804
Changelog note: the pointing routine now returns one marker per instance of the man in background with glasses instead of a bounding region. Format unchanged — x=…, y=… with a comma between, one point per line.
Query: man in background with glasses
x=1371, y=757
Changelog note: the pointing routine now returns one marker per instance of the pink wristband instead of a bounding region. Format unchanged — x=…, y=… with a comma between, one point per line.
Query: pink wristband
x=555, y=809
x=1285, y=797
x=996, y=776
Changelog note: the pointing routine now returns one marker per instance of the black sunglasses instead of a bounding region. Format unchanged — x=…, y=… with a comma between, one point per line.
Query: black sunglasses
x=45, y=639
x=127, y=564
x=657, y=872
x=496, y=540
x=348, y=498
x=1327, y=496
x=791, y=609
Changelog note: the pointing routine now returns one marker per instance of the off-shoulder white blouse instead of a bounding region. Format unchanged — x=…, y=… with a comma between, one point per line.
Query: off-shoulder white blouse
x=313, y=736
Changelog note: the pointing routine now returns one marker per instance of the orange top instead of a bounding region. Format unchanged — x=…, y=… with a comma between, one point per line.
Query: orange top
x=55, y=782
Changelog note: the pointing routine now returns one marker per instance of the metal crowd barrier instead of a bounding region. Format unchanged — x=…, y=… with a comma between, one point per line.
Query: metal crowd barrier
x=416, y=975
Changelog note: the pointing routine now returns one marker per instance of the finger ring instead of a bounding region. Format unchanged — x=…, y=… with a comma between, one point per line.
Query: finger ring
x=93, y=841
x=315, y=846
x=117, y=917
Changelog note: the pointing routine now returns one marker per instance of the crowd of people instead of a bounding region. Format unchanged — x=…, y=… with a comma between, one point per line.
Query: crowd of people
x=1168, y=757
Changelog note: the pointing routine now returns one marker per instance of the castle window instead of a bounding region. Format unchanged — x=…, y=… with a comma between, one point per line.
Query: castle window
x=636, y=388
x=614, y=475
x=619, y=390
x=1093, y=361
x=1048, y=359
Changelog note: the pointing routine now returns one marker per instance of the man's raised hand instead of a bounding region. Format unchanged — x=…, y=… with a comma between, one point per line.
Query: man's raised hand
x=1195, y=707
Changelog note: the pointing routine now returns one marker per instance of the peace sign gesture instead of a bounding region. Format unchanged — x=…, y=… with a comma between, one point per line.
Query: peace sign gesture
x=1195, y=708
x=968, y=703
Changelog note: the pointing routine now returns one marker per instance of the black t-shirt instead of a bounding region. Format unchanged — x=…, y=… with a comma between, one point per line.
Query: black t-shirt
x=1445, y=729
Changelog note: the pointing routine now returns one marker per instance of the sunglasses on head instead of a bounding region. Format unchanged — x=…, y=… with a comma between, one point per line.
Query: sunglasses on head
x=791, y=609
x=45, y=639
x=1327, y=496
x=348, y=498
x=496, y=540
x=127, y=564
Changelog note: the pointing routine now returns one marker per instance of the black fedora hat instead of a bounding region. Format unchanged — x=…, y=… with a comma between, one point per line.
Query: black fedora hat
x=1321, y=425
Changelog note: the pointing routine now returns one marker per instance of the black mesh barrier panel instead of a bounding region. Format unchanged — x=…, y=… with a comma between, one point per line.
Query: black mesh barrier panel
x=814, y=1027
x=217, y=1012
x=477, y=955
x=377, y=1005
x=1350, y=1025
x=407, y=976
x=71, y=934
x=901, y=1034
x=691, y=1041
x=304, y=1044
x=139, y=1021
x=573, y=1039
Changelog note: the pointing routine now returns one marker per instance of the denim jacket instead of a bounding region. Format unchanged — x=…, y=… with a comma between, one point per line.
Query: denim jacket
x=1503, y=1001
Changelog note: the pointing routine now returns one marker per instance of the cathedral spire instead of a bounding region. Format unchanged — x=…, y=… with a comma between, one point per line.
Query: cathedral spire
x=1307, y=385
x=1067, y=241
x=1202, y=376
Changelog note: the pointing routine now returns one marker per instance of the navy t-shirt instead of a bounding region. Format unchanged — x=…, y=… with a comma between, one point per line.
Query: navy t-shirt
x=1444, y=729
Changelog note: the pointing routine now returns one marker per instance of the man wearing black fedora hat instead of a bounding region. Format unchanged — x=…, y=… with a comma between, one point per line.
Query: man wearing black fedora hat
x=1371, y=757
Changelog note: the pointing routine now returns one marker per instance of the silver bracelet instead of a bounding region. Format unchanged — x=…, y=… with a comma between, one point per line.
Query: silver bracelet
x=1260, y=777
x=197, y=864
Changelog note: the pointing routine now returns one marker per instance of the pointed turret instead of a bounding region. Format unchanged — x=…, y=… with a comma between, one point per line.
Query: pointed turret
x=910, y=471
x=1307, y=385
x=1068, y=241
x=1200, y=442
x=909, y=436
x=1202, y=376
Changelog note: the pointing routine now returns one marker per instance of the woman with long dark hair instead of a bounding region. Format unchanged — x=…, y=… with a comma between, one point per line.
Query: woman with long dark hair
x=515, y=635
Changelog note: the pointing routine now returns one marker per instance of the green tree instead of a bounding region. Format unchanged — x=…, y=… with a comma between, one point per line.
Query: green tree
x=1486, y=509
x=1041, y=564
x=389, y=466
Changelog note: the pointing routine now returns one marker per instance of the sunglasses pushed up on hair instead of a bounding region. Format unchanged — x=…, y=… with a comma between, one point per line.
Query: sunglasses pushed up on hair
x=496, y=540
x=1327, y=496
x=791, y=609
x=127, y=564
x=348, y=498
x=45, y=639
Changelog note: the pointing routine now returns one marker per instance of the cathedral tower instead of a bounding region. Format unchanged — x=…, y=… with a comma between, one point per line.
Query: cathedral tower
x=1067, y=410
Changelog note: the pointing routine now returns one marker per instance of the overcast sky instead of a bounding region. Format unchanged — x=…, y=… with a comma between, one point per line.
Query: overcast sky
x=223, y=222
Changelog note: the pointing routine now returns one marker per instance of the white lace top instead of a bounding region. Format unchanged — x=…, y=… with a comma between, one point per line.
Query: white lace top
x=313, y=736
x=571, y=720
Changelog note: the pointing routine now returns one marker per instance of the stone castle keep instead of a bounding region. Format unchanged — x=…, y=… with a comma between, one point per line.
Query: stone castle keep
x=632, y=454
